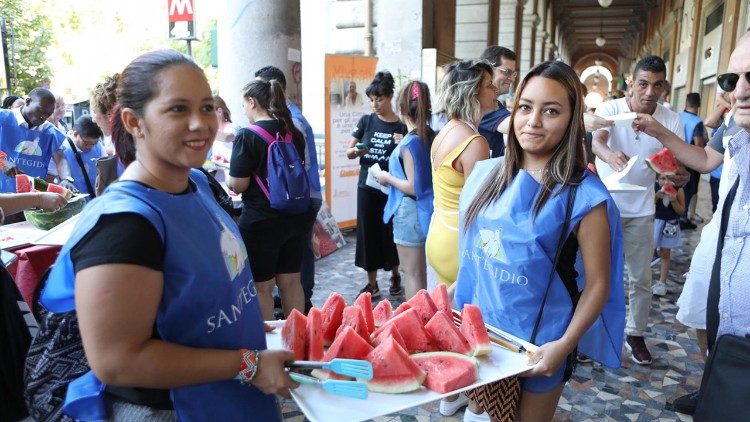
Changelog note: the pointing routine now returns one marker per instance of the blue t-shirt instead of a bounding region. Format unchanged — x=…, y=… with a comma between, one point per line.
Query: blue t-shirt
x=488, y=129
x=29, y=149
x=89, y=161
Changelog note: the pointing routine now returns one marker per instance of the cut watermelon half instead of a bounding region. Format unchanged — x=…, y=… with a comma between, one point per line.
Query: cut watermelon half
x=314, y=337
x=447, y=371
x=439, y=296
x=332, y=313
x=388, y=332
x=474, y=330
x=393, y=371
x=424, y=305
x=294, y=334
x=352, y=317
x=445, y=335
x=382, y=312
x=663, y=162
x=364, y=301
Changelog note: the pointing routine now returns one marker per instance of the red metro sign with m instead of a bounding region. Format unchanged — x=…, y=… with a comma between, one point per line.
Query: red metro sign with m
x=180, y=10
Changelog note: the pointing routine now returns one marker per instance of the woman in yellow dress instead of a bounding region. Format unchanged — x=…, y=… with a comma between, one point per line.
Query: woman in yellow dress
x=466, y=93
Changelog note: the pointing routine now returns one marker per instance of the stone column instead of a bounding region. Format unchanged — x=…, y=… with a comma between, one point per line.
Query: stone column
x=398, y=38
x=253, y=34
x=528, y=43
x=471, y=27
x=509, y=25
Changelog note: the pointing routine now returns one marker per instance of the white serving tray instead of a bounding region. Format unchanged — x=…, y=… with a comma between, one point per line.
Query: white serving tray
x=319, y=405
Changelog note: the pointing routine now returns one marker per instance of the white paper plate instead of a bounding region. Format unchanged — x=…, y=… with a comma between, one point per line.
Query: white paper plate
x=622, y=119
x=318, y=405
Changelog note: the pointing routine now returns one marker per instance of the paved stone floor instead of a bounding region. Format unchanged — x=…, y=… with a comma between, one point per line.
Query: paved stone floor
x=595, y=393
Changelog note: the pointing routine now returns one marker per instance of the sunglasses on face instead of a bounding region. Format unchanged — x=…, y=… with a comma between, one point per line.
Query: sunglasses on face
x=508, y=72
x=728, y=81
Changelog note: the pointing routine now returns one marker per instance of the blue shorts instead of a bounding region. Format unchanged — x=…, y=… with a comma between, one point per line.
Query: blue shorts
x=406, y=228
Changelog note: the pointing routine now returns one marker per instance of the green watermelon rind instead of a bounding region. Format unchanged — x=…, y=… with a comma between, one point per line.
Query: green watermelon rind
x=46, y=220
x=404, y=383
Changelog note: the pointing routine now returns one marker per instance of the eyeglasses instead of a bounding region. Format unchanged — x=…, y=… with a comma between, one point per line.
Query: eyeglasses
x=508, y=72
x=728, y=81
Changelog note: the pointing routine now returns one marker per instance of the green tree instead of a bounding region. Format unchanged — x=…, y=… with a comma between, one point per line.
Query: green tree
x=32, y=36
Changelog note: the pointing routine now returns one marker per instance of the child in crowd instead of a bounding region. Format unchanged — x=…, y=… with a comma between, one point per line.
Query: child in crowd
x=670, y=204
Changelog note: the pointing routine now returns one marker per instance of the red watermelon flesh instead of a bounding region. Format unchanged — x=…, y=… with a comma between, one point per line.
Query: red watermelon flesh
x=445, y=335
x=663, y=162
x=393, y=371
x=389, y=332
x=669, y=189
x=352, y=317
x=447, y=371
x=410, y=327
x=382, y=312
x=401, y=309
x=314, y=337
x=440, y=298
x=332, y=313
x=474, y=330
x=64, y=192
x=364, y=301
x=424, y=305
x=348, y=345
x=294, y=334
x=23, y=183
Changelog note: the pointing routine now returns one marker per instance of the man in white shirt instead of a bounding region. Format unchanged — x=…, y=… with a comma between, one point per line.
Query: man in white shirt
x=613, y=147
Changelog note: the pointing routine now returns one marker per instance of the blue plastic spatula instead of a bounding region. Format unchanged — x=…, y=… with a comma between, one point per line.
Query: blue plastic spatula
x=353, y=389
x=361, y=369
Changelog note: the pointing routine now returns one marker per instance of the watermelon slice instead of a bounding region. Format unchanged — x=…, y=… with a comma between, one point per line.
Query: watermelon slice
x=388, y=332
x=447, y=371
x=294, y=334
x=410, y=326
x=439, y=296
x=474, y=330
x=364, y=301
x=382, y=312
x=401, y=309
x=424, y=305
x=669, y=189
x=445, y=335
x=352, y=317
x=332, y=312
x=314, y=337
x=23, y=183
x=663, y=162
x=348, y=345
x=64, y=192
x=393, y=371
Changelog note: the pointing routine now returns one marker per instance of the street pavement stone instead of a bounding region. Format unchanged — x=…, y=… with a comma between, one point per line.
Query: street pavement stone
x=630, y=393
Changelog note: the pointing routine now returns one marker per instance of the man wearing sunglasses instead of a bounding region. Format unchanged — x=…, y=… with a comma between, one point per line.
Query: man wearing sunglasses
x=735, y=270
x=504, y=62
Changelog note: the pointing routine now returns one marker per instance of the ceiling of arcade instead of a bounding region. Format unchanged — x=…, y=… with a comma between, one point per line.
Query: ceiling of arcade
x=622, y=25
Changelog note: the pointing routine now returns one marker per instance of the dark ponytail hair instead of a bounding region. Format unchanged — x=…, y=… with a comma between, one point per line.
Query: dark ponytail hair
x=270, y=96
x=381, y=86
x=414, y=103
x=136, y=86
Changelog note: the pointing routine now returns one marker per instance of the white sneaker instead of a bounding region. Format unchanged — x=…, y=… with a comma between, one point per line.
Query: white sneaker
x=470, y=416
x=659, y=289
x=448, y=408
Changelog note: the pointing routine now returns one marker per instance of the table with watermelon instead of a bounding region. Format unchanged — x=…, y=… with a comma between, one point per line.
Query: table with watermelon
x=420, y=352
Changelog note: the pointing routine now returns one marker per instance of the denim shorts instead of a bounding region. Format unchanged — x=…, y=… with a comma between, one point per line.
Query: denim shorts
x=406, y=228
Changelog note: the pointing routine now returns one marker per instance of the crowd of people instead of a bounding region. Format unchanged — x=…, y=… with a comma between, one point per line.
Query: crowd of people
x=500, y=203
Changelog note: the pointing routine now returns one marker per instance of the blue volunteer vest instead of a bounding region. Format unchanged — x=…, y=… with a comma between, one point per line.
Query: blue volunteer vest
x=314, y=171
x=422, y=181
x=30, y=150
x=89, y=161
x=507, y=256
x=209, y=298
x=690, y=121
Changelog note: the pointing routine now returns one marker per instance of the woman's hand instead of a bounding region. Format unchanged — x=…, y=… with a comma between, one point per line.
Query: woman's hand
x=548, y=358
x=50, y=201
x=384, y=178
x=272, y=377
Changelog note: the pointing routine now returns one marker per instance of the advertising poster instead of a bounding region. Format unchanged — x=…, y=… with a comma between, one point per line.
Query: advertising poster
x=346, y=78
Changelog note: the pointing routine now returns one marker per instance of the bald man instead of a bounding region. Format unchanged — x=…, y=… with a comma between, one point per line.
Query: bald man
x=29, y=141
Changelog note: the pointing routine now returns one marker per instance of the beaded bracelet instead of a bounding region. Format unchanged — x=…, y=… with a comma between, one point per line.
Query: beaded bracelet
x=248, y=365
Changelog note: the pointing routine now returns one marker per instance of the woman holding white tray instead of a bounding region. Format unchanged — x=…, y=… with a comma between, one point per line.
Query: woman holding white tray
x=541, y=247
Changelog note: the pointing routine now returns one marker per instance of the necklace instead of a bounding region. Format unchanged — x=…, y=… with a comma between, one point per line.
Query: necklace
x=540, y=171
